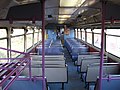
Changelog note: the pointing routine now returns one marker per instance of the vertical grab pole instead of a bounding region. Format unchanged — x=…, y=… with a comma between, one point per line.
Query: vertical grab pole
x=30, y=72
x=102, y=45
x=43, y=53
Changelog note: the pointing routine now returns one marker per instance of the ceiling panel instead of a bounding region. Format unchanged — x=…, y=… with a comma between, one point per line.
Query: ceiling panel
x=25, y=12
x=59, y=8
x=4, y=3
x=51, y=8
x=51, y=11
x=51, y=3
x=4, y=7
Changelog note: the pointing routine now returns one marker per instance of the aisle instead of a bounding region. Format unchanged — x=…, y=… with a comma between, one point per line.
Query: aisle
x=74, y=82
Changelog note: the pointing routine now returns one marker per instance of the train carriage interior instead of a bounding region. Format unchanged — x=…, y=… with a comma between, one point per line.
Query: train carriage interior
x=59, y=44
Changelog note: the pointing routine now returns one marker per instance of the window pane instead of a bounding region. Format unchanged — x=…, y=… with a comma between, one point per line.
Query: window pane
x=113, y=31
x=18, y=32
x=113, y=45
x=3, y=53
x=79, y=34
x=97, y=30
x=40, y=35
x=3, y=33
x=29, y=40
x=97, y=40
x=17, y=43
x=36, y=30
x=75, y=33
x=88, y=30
x=83, y=34
x=89, y=37
x=35, y=37
x=30, y=31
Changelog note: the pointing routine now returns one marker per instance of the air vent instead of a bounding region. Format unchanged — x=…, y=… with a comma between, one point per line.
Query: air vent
x=79, y=16
x=49, y=16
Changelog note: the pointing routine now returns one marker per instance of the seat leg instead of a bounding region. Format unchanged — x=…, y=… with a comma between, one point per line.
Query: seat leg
x=62, y=85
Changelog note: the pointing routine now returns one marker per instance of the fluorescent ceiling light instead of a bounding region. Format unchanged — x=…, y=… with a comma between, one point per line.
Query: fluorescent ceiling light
x=62, y=19
x=71, y=2
x=65, y=13
x=64, y=16
x=68, y=2
x=60, y=22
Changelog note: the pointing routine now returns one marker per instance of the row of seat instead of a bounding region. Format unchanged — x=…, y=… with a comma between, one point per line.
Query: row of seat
x=88, y=58
x=10, y=74
x=51, y=48
x=89, y=69
x=93, y=71
x=109, y=82
x=88, y=64
x=56, y=70
x=26, y=85
x=75, y=48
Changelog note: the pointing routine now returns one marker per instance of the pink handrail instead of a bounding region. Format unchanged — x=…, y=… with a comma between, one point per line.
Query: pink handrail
x=102, y=45
x=7, y=66
x=43, y=46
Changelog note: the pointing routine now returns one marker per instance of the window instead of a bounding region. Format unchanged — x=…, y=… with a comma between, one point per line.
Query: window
x=3, y=53
x=36, y=36
x=76, y=33
x=29, y=38
x=83, y=34
x=89, y=36
x=97, y=40
x=3, y=33
x=97, y=37
x=113, y=31
x=113, y=41
x=17, y=32
x=79, y=34
x=3, y=43
x=40, y=35
x=17, y=41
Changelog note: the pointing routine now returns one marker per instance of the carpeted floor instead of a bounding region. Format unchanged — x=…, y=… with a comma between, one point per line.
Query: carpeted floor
x=74, y=81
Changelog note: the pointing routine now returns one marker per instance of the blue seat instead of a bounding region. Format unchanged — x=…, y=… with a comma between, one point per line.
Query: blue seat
x=112, y=83
x=74, y=47
x=26, y=85
x=51, y=51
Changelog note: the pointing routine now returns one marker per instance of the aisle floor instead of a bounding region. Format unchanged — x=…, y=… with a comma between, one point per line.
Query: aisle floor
x=74, y=81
